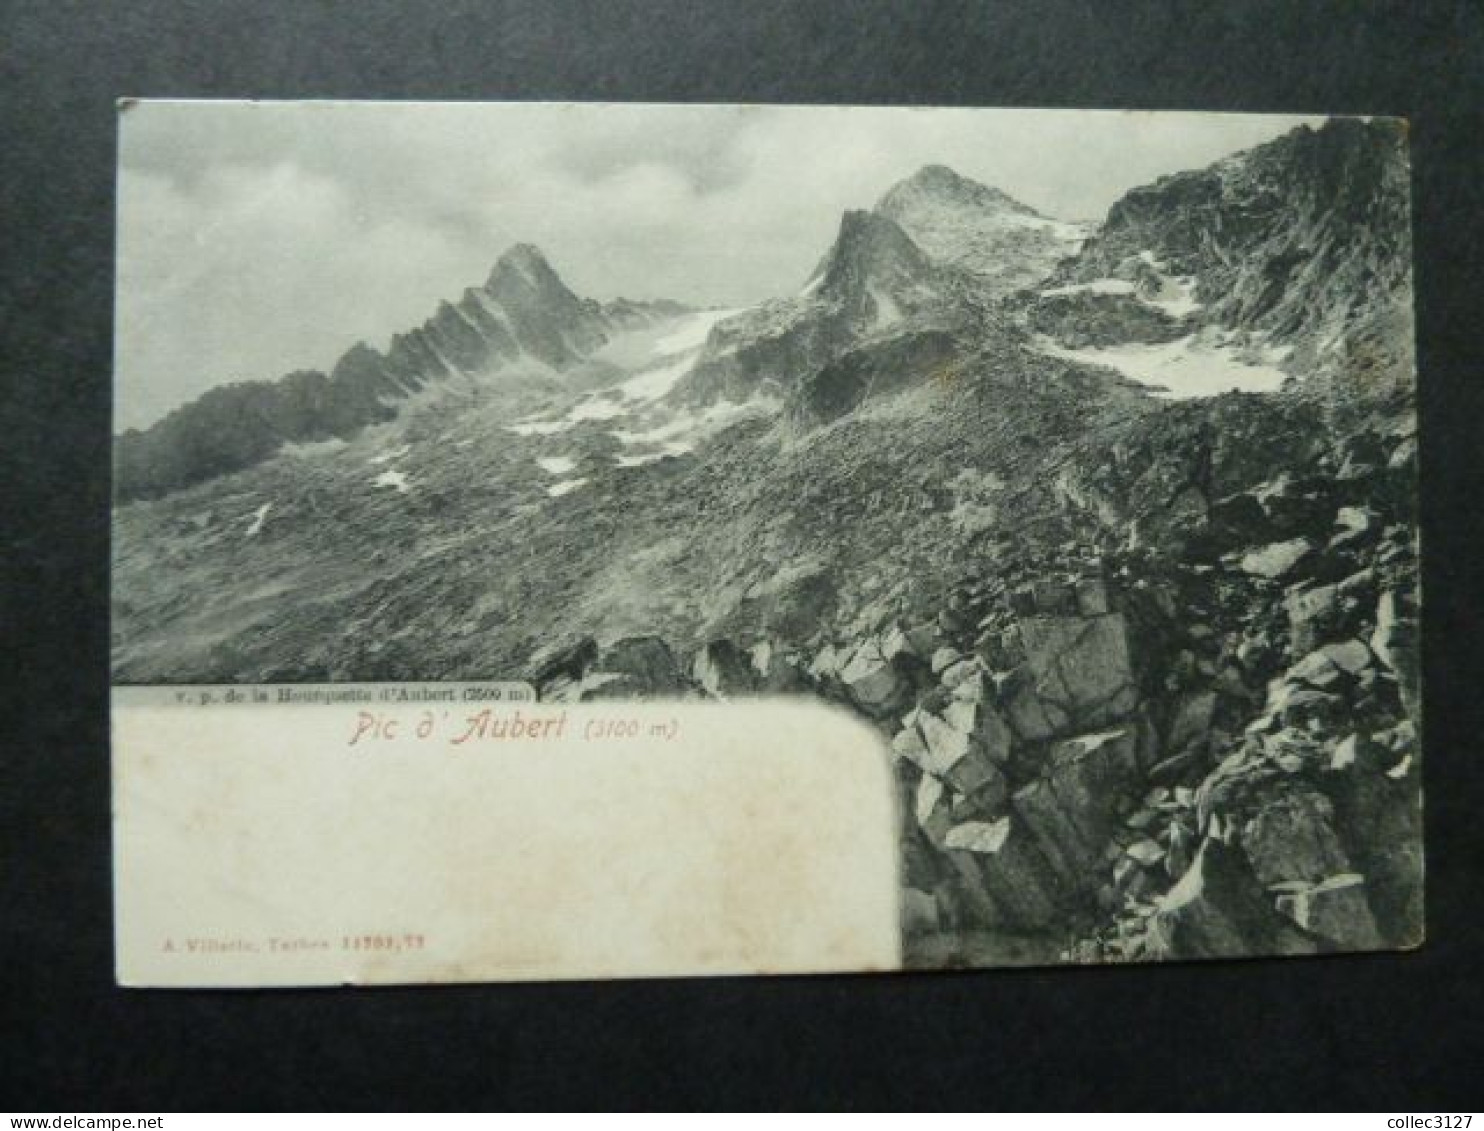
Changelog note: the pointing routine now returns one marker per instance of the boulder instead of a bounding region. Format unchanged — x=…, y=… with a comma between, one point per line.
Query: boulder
x=1191, y=721
x=1296, y=505
x=1313, y=615
x=919, y=913
x=1055, y=597
x=875, y=682
x=960, y=755
x=1217, y=910
x=647, y=659
x=909, y=744
x=1381, y=816
x=894, y=642
x=1293, y=705
x=1292, y=837
x=1353, y=525
x=944, y=658
x=1145, y=853
x=1076, y=805
x=724, y=670
x=777, y=674
x=1349, y=656
x=598, y=685
x=1001, y=857
x=1395, y=642
x=569, y=656
x=973, y=688
x=1033, y=718
x=1277, y=559
x=1336, y=910
x=1316, y=669
x=958, y=670
x=827, y=662
x=1404, y=454
x=932, y=806
x=1361, y=455
x=985, y=726
x=1092, y=597
x=924, y=638
x=793, y=602
x=1022, y=601
x=1082, y=667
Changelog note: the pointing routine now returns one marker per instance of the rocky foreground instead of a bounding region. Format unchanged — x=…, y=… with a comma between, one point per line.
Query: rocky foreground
x=1187, y=732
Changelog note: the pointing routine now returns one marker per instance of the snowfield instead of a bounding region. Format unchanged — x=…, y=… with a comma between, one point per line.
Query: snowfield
x=1197, y=365
x=1096, y=287
x=657, y=359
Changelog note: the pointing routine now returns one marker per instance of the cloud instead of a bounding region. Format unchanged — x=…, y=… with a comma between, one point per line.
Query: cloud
x=256, y=238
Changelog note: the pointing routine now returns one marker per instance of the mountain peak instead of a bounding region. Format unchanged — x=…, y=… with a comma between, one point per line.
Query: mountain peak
x=977, y=228
x=525, y=265
x=523, y=254
x=869, y=246
x=942, y=185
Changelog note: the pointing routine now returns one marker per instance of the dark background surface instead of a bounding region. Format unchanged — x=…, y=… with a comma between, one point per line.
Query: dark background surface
x=1390, y=1032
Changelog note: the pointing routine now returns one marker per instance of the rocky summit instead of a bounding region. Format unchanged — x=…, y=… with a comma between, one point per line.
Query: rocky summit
x=1110, y=532
x=979, y=229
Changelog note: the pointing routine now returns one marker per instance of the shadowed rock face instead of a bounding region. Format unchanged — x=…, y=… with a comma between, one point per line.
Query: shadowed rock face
x=871, y=251
x=876, y=369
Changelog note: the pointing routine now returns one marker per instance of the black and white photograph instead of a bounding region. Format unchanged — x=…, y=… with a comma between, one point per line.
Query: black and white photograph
x=1074, y=452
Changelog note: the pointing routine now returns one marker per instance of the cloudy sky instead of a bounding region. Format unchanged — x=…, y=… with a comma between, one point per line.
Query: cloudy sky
x=257, y=238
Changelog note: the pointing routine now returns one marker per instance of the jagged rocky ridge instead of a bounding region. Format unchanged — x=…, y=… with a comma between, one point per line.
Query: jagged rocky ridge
x=1147, y=667
x=523, y=327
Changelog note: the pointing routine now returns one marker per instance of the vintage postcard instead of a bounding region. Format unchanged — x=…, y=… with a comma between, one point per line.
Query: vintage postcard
x=585, y=541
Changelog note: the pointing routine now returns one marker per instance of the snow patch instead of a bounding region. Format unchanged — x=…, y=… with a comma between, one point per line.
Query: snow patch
x=312, y=448
x=564, y=487
x=672, y=449
x=258, y=518
x=656, y=382
x=1096, y=287
x=387, y=457
x=394, y=479
x=657, y=364
x=887, y=311
x=539, y=427
x=596, y=408
x=692, y=332
x=1176, y=296
x=556, y=465
x=1196, y=365
x=689, y=428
